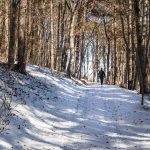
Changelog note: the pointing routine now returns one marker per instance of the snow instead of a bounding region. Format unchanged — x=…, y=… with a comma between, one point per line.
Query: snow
x=51, y=112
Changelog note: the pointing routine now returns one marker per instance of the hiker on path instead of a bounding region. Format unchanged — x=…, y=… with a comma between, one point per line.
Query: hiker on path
x=101, y=75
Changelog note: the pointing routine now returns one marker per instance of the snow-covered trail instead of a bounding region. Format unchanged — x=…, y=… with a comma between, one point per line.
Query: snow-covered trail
x=113, y=119
x=53, y=113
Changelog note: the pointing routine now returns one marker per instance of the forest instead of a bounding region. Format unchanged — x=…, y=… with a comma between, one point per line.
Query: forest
x=112, y=34
x=51, y=52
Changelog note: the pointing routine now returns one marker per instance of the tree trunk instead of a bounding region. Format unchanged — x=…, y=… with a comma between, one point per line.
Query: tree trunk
x=12, y=32
x=21, y=65
x=140, y=50
x=108, y=50
x=52, y=36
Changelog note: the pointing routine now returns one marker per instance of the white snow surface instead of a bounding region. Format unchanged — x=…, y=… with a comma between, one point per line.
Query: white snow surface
x=51, y=112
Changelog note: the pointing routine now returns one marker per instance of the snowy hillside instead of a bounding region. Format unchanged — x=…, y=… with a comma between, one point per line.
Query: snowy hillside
x=50, y=112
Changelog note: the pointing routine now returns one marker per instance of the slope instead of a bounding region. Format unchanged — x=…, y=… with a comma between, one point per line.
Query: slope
x=51, y=112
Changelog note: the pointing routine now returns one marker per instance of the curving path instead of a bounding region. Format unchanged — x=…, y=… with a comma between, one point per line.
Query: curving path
x=53, y=113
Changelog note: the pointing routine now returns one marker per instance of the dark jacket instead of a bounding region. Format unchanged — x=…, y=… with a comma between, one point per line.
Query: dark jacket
x=101, y=74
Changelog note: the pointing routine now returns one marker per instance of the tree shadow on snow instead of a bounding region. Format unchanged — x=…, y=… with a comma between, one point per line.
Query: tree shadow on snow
x=59, y=114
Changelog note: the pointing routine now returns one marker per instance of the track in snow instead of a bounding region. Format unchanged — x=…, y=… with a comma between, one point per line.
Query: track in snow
x=56, y=114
